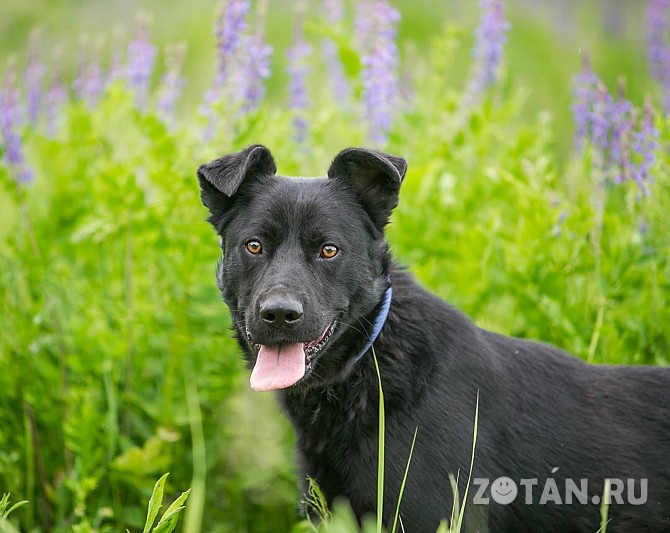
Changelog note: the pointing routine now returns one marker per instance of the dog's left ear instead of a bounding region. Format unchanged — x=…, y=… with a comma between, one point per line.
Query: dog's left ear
x=374, y=177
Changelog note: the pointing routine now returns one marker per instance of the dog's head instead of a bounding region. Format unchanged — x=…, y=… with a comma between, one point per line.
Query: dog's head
x=305, y=263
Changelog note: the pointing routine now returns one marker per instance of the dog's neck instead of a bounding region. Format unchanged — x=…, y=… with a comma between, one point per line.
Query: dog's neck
x=379, y=321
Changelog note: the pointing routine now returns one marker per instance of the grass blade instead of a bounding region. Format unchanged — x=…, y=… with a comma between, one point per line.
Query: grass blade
x=455, y=504
x=380, y=454
x=604, y=508
x=194, y=513
x=316, y=501
x=472, y=462
x=402, y=485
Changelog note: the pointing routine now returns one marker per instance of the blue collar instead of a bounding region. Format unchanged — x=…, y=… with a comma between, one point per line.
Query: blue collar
x=379, y=322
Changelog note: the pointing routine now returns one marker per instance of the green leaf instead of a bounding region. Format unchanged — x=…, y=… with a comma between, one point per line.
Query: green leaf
x=15, y=507
x=169, y=525
x=155, y=503
x=175, y=508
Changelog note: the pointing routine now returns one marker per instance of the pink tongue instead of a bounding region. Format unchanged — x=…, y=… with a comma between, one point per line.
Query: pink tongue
x=278, y=367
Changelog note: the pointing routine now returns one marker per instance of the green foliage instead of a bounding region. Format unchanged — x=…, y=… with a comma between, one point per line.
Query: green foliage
x=169, y=520
x=5, y=510
x=115, y=354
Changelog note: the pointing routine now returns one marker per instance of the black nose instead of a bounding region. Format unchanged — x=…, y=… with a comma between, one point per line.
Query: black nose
x=281, y=312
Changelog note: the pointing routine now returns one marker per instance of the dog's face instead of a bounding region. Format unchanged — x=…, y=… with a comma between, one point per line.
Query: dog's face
x=305, y=262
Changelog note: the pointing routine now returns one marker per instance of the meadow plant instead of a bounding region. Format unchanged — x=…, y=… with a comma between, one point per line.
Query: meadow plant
x=645, y=144
x=243, y=63
x=56, y=99
x=171, y=85
x=622, y=139
x=584, y=85
x=600, y=121
x=229, y=28
x=255, y=68
x=89, y=84
x=622, y=118
x=33, y=81
x=297, y=57
x=490, y=38
x=141, y=59
x=333, y=11
x=376, y=30
x=231, y=24
x=658, y=12
x=12, y=122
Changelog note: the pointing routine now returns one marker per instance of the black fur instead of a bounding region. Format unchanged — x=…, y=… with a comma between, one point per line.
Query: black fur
x=540, y=409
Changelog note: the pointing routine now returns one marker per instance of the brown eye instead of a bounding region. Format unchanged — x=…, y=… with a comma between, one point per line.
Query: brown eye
x=254, y=247
x=329, y=251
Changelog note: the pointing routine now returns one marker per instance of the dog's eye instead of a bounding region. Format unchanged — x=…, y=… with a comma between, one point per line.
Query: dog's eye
x=329, y=251
x=254, y=247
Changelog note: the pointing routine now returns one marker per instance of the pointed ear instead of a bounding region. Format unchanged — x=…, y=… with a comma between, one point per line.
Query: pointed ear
x=374, y=177
x=221, y=178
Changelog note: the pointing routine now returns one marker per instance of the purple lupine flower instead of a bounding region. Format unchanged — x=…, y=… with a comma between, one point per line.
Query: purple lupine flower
x=376, y=28
x=657, y=22
x=33, y=79
x=584, y=90
x=56, y=99
x=333, y=14
x=254, y=67
x=141, y=58
x=600, y=119
x=11, y=122
x=333, y=10
x=619, y=151
x=659, y=46
x=621, y=123
x=298, y=69
x=490, y=38
x=644, y=146
x=171, y=84
x=229, y=29
x=89, y=83
x=255, y=71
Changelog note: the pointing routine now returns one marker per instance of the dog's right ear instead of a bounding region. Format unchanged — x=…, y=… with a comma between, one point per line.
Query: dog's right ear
x=221, y=178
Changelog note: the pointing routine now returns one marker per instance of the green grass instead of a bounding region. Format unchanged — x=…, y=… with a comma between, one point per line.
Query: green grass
x=380, y=449
x=604, y=508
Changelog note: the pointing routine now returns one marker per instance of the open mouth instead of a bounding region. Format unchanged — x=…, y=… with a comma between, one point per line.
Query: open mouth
x=314, y=347
x=283, y=365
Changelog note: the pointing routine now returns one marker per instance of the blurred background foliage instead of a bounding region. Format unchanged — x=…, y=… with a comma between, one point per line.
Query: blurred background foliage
x=116, y=363
x=543, y=52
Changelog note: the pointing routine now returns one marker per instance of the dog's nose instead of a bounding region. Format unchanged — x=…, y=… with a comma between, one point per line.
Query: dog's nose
x=281, y=312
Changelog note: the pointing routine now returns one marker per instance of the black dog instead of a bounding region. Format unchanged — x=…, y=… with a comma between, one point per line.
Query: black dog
x=310, y=285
